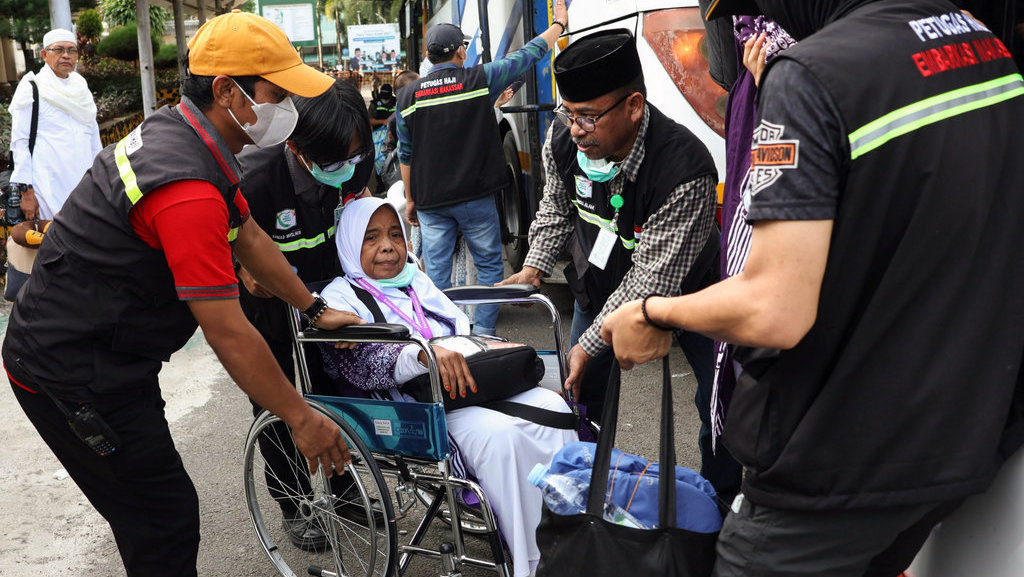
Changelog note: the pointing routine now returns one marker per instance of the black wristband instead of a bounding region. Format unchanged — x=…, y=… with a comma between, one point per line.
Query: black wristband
x=560, y=24
x=647, y=317
x=312, y=314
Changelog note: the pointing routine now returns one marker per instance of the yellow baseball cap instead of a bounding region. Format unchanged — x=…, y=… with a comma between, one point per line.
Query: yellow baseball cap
x=244, y=44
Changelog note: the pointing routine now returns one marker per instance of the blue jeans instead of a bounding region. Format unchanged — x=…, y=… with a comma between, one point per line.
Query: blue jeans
x=478, y=221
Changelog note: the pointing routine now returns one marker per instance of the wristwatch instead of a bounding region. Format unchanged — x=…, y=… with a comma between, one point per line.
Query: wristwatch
x=312, y=314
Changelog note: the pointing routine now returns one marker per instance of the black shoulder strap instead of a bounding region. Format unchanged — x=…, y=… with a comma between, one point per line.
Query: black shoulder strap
x=544, y=417
x=35, y=118
x=371, y=303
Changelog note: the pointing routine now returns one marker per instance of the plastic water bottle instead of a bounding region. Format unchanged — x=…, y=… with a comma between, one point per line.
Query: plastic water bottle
x=565, y=495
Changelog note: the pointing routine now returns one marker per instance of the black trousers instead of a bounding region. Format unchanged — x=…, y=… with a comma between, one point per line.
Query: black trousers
x=142, y=490
x=762, y=541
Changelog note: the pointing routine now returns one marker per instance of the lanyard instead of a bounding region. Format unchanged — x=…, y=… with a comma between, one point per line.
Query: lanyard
x=420, y=324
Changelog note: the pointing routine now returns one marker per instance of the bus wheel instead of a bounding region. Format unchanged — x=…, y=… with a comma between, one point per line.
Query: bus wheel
x=514, y=220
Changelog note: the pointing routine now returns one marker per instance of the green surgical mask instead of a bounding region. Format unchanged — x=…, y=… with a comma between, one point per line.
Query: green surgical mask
x=402, y=279
x=597, y=170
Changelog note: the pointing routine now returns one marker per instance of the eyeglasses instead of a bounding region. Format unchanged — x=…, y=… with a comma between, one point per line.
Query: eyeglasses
x=72, y=51
x=336, y=166
x=586, y=123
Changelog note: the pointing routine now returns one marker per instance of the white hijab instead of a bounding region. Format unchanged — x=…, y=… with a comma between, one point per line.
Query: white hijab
x=339, y=294
x=72, y=95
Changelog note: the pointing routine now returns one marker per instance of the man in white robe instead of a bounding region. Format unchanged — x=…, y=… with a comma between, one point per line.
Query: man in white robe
x=67, y=138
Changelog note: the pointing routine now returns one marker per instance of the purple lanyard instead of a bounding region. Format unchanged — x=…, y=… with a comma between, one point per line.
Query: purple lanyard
x=420, y=324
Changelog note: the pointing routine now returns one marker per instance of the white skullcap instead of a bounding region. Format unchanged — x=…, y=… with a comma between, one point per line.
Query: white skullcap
x=59, y=35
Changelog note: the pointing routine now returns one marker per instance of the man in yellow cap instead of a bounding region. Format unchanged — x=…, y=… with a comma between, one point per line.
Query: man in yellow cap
x=141, y=253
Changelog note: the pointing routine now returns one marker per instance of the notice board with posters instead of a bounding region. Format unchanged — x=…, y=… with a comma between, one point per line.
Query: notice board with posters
x=379, y=45
x=295, y=17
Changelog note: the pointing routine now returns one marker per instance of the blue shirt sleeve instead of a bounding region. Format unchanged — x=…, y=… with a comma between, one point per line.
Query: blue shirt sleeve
x=502, y=73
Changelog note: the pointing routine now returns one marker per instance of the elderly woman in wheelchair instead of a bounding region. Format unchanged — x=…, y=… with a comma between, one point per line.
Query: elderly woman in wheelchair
x=496, y=448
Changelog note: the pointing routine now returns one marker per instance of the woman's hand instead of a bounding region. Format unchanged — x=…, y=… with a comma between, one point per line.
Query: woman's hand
x=454, y=371
x=755, y=52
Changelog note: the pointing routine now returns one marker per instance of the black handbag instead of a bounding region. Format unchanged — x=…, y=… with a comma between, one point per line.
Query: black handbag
x=500, y=372
x=595, y=547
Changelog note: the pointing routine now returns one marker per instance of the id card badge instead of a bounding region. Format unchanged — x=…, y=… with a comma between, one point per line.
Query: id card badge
x=602, y=248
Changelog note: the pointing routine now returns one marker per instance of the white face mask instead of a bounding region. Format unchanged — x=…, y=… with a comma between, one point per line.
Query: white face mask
x=274, y=121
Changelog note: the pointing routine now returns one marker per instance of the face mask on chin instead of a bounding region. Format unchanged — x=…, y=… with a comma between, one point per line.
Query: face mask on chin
x=601, y=170
x=274, y=121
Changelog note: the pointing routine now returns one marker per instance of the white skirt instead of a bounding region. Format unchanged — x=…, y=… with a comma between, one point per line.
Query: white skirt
x=500, y=450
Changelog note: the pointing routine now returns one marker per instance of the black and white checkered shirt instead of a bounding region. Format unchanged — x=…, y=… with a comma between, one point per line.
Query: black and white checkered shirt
x=672, y=237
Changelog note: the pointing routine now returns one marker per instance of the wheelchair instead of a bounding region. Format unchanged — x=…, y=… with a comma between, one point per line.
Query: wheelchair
x=400, y=457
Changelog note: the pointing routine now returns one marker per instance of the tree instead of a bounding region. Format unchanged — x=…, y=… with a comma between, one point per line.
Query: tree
x=122, y=13
x=26, y=21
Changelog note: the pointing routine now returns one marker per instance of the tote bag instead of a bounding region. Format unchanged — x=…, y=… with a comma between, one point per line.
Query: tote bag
x=587, y=544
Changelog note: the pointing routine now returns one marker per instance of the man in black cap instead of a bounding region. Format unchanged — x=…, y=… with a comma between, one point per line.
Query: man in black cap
x=879, y=309
x=447, y=119
x=631, y=194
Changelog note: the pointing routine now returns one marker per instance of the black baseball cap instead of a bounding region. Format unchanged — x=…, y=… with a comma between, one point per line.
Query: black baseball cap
x=443, y=39
x=722, y=8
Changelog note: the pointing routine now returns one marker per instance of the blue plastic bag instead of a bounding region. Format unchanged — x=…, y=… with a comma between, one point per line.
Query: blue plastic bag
x=634, y=487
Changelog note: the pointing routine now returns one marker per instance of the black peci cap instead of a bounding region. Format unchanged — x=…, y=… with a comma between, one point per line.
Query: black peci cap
x=596, y=65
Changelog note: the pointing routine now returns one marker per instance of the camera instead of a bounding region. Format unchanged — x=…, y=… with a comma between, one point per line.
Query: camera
x=12, y=203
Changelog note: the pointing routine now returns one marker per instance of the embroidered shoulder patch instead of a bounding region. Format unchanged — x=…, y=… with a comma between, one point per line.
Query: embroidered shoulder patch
x=770, y=154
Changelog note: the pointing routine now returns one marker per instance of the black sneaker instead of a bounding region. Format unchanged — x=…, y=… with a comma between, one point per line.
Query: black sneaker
x=304, y=534
x=350, y=507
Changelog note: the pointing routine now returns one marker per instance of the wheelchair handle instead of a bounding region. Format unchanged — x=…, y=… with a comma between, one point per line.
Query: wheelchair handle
x=373, y=332
x=491, y=293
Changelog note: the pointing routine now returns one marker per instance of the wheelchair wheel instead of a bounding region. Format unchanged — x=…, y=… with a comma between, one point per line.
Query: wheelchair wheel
x=312, y=525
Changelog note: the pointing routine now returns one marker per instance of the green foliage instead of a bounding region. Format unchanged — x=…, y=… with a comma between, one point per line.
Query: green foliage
x=116, y=87
x=90, y=24
x=350, y=12
x=123, y=44
x=122, y=13
x=166, y=57
x=27, y=20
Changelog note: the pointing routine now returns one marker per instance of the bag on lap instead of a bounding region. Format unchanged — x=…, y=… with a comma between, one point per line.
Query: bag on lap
x=500, y=369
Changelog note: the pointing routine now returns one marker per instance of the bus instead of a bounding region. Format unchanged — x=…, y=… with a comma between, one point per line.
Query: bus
x=671, y=43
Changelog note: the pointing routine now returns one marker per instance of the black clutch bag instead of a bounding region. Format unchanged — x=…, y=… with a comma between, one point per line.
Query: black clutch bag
x=500, y=369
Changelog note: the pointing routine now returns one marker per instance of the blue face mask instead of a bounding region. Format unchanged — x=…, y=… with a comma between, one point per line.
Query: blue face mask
x=402, y=279
x=335, y=178
x=597, y=170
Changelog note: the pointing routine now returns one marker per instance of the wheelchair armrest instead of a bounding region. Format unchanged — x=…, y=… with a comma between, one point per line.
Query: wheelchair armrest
x=484, y=292
x=376, y=332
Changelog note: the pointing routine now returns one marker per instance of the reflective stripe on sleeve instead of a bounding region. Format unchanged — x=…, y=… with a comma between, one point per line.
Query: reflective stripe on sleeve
x=932, y=110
